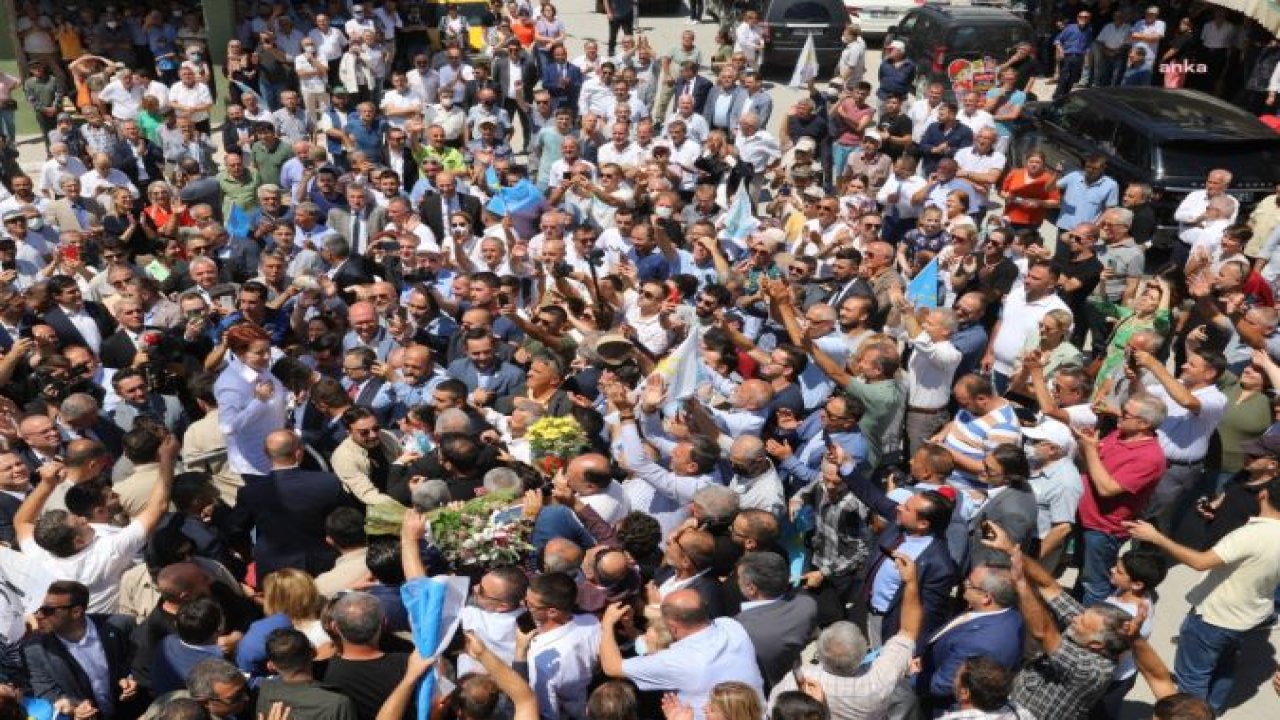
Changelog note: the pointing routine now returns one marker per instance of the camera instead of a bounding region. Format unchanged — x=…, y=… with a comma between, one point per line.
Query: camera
x=562, y=269
x=595, y=256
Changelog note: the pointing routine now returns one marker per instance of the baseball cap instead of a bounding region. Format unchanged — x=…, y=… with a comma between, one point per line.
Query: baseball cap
x=872, y=135
x=1052, y=431
x=806, y=144
x=13, y=215
x=897, y=45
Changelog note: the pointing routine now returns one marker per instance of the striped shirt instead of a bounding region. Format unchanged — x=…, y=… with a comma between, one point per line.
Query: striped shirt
x=973, y=437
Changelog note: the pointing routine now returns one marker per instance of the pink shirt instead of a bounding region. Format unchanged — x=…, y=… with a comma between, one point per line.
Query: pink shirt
x=1136, y=466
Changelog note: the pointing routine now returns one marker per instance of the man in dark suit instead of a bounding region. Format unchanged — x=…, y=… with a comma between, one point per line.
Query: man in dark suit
x=562, y=79
x=486, y=377
x=360, y=221
x=689, y=553
x=346, y=270
x=778, y=621
x=134, y=150
x=75, y=320
x=517, y=64
x=121, y=347
x=15, y=482
x=916, y=528
x=436, y=207
x=80, y=417
x=992, y=626
x=288, y=509
x=690, y=82
x=58, y=676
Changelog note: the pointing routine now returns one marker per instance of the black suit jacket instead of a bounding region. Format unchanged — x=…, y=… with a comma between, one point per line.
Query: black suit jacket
x=8, y=508
x=352, y=272
x=231, y=137
x=55, y=674
x=707, y=587
x=288, y=509
x=701, y=87
x=122, y=159
x=67, y=332
x=525, y=65
x=118, y=350
x=431, y=209
x=409, y=176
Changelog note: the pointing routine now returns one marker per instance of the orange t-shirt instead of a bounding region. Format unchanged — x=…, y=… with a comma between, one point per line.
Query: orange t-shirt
x=524, y=33
x=1019, y=184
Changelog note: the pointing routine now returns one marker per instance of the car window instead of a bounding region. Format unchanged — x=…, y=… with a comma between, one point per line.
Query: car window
x=1132, y=146
x=994, y=40
x=908, y=24
x=1081, y=120
x=1247, y=161
x=807, y=11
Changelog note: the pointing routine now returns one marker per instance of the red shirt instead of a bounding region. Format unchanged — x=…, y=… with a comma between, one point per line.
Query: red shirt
x=1135, y=465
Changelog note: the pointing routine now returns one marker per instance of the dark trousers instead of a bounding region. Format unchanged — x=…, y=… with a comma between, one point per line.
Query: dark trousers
x=1068, y=74
x=695, y=9
x=833, y=597
x=626, y=24
x=896, y=227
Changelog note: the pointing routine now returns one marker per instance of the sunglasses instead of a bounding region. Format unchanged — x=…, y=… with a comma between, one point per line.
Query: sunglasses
x=51, y=609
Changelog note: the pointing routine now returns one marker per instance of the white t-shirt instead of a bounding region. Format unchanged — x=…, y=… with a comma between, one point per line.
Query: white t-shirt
x=316, y=84
x=99, y=566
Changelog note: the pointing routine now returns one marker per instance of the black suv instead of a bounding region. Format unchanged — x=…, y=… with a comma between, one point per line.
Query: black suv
x=1169, y=139
x=935, y=35
x=787, y=24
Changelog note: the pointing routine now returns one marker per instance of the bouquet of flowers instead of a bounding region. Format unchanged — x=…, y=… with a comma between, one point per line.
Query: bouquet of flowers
x=553, y=441
x=481, y=533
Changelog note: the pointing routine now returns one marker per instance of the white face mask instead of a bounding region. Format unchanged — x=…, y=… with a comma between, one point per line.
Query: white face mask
x=35, y=223
x=60, y=158
x=663, y=211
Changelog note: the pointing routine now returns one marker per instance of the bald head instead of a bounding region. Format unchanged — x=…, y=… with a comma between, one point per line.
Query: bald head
x=754, y=394
x=747, y=449
x=282, y=447
x=182, y=581
x=685, y=613
x=561, y=555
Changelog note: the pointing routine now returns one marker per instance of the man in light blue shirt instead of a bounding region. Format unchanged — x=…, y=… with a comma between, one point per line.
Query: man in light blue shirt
x=706, y=652
x=1085, y=194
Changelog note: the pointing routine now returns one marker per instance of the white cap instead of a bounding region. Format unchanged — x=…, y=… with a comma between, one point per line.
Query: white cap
x=1052, y=431
x=897, y=45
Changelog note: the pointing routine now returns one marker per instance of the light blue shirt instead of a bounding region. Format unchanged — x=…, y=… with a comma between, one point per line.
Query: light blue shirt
x=805, y=464
x=695, y=664
x=815, y=386
x=244, y=419
x=887, y=580
x=1083, y=202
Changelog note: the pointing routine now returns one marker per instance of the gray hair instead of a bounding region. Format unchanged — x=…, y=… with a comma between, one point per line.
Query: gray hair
x=1123, y=216
x=1151, y=409
x=503, y=480
x=207, y=673
x=78, y=405
x=716, y=502
x=358, y=618
x=946, y=318
x=429, y=495
x=998, y=582
x=1112, y=636
x=337, y=245
x=451, y=421
x=202, y=260
x=310, y=208
x=841, y=648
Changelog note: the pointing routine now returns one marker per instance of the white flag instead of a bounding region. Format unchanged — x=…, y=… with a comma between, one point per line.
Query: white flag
x=806, y=65
x=740, y=222
x=681, y=370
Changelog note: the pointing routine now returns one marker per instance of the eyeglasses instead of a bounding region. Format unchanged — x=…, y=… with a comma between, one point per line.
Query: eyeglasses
x=366, y=431
x=197, y=248
x=651, y=296
x=872, y=226
x=238, y=696
x=51, y=609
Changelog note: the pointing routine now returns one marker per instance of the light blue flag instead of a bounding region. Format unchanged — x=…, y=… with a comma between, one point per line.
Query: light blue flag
x=424, y=600
x=246, y=89
x=517, y=198
x=922, y=291
x=740, y=222
x=238, y=222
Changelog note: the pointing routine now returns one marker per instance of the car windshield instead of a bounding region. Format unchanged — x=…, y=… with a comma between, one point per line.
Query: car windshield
x=1248, y=162
x=807, y=12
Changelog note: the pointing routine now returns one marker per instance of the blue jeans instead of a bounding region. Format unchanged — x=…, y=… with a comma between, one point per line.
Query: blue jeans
x=839, y=157
x=1100, y=552
x=7, y=128
x=1205, y=665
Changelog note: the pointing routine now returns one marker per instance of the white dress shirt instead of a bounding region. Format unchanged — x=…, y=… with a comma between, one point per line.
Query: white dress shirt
x=561, y=665
x=86, y=325
x=930, y=371
x=695, y=664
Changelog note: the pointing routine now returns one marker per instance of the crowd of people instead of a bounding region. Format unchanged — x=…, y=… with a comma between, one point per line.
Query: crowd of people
x=253, y=358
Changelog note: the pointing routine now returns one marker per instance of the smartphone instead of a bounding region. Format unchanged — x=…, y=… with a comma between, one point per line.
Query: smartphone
x=566, y=175
x=226, y=302
x=504, y=299
x=389, y=245
x=6, y=265
x=70, y=253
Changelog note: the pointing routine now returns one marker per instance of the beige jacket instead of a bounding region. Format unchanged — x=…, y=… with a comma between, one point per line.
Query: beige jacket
x=351, y=465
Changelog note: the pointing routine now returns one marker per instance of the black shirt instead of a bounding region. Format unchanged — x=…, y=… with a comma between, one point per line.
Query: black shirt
x=368, y=682
x=1088, y=272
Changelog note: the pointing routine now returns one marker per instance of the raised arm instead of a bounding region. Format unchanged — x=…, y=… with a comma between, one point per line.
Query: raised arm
x=397, y=703
x=158, y=502
x=507, y=680
x=24, y=521
x=1176, y=389
x=1194, y=559
x=411, y=532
